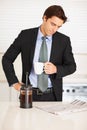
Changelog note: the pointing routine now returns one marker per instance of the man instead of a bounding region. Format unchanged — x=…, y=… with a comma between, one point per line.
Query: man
x=60, y=57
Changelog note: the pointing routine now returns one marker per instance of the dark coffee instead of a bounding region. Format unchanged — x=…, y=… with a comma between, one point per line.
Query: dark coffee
x=26, y=98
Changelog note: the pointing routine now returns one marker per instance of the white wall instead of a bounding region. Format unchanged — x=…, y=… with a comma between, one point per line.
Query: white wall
x=16, y=15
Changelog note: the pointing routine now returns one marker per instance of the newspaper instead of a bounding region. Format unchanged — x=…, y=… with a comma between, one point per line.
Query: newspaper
x=57, y=109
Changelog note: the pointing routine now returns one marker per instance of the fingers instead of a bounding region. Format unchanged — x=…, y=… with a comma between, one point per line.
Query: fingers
x=49, y=68
x=17, y=86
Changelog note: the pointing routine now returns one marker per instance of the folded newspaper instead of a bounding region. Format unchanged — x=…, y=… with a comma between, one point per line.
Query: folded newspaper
x=64, y=108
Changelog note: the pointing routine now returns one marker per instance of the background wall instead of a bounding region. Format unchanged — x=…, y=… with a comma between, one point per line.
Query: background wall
x=16, y=15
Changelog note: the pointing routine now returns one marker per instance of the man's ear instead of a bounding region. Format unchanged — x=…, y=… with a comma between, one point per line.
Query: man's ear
x=44, y=18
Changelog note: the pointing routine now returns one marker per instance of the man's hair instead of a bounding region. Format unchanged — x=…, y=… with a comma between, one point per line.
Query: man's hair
x=55, y=10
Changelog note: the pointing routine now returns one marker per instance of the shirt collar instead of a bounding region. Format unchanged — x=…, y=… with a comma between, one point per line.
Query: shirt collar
x=40, y=35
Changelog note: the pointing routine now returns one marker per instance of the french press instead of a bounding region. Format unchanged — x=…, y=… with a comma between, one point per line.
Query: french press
x=26, y=94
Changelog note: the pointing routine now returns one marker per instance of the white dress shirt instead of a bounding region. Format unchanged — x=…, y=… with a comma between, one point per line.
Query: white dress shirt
x=33, y=76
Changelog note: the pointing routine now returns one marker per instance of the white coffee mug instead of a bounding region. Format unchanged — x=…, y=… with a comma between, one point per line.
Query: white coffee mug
x=38, y=67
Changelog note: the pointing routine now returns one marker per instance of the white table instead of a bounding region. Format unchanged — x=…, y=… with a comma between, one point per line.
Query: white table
x=12, y=117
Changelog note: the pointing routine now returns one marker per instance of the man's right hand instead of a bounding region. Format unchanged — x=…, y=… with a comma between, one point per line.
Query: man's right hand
x=17, y=86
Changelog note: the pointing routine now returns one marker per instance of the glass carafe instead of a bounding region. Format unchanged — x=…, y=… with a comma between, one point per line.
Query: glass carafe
x=26, y=96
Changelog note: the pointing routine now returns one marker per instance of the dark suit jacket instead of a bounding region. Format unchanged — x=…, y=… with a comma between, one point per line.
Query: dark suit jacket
x=61, y=56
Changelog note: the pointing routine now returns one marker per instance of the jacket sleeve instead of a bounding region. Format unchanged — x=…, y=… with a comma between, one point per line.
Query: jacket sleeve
x=68, y=66
x=8, y=59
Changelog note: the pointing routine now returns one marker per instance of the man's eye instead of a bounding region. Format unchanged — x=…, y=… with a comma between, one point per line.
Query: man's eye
x=52, y=24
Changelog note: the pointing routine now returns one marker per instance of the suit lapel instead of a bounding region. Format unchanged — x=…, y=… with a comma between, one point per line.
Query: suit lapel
x=53, y=49
x=34, y=37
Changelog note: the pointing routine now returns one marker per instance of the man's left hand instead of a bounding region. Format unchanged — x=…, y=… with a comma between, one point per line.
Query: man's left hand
x=49, y=68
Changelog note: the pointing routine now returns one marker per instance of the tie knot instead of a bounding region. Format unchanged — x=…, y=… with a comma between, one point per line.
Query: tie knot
x=44, y=38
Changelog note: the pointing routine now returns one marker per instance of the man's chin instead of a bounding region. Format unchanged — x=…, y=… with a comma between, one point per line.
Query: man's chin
x=50, y=34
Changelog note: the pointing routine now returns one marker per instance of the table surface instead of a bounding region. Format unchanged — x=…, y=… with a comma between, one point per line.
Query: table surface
x=12, y=117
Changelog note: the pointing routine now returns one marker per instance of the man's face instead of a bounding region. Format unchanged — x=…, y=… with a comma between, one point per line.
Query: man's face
x=51, y=25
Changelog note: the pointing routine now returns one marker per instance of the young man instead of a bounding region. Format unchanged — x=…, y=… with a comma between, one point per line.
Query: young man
x=60, y=57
